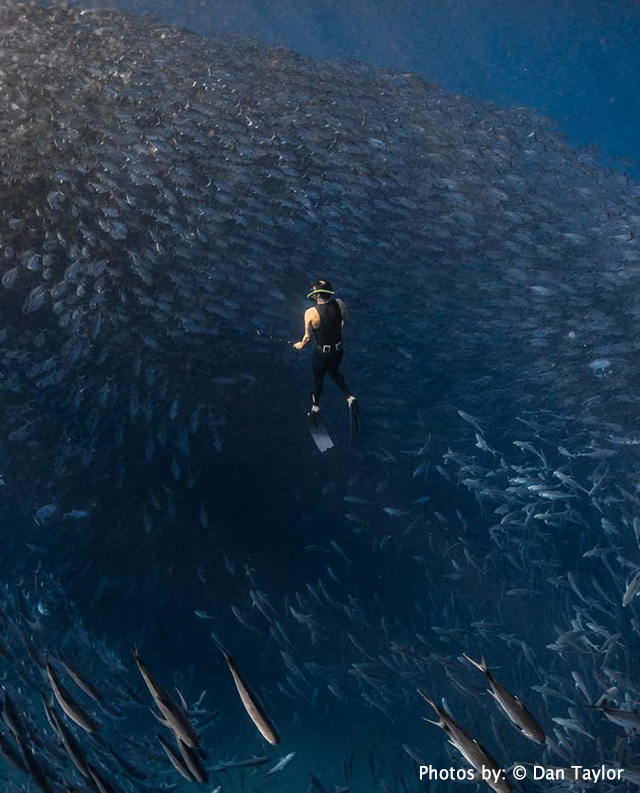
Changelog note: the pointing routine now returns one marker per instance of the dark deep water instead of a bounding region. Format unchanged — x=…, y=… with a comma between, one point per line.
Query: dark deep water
x=186, y=193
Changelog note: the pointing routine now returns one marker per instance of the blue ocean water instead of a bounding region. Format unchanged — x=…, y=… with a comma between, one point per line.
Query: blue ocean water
x=169, y=487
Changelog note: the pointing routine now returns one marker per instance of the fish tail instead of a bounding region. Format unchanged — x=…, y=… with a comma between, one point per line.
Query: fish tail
x=430, y=701
x=602, y=702
x=162, y=721
x=481, y=664
x=183, y=702
x=219, y=645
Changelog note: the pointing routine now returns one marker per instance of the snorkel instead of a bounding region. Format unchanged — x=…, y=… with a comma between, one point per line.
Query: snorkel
x=319, y=291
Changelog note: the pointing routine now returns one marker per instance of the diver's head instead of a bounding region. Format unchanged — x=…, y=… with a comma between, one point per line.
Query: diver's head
x=321, y=290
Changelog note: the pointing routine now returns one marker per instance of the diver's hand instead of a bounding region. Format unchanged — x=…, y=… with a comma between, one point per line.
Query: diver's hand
x=298, y=345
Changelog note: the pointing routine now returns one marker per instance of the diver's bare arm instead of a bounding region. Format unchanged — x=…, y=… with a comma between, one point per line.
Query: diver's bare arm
x=308, y=330
x=343, y=311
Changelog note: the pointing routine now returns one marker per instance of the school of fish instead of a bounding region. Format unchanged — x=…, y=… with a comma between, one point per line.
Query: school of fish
x=190, y=593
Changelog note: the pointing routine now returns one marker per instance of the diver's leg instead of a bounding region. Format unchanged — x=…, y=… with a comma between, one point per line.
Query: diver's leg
x=336, y=375
x=319, y=369
x=355, y=421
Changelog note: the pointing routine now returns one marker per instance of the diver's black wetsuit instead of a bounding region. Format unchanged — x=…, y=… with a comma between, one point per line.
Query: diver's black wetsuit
x=327, y=355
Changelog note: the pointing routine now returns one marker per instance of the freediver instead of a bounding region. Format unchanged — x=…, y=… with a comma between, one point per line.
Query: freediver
x=324, y=322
